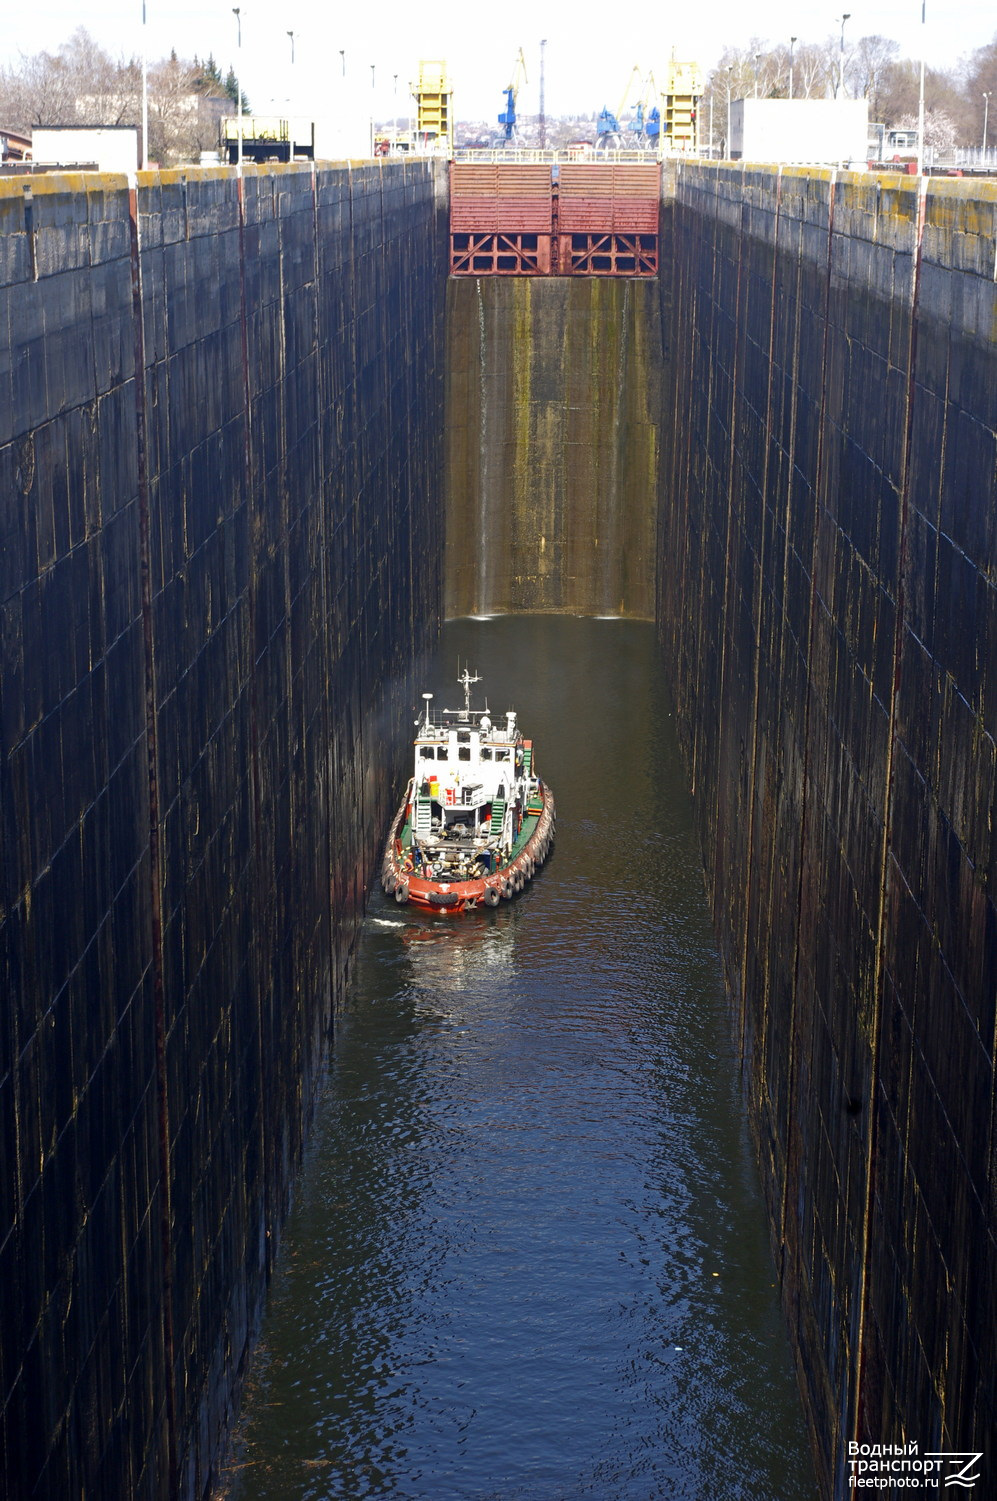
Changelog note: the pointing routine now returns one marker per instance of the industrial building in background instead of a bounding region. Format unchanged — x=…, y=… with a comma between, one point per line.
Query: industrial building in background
x=267, y=138
x=15, y=146
x=97, y=148
x=818, y=132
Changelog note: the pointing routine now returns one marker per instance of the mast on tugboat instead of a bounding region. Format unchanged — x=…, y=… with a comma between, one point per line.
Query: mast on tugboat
x=465, y=679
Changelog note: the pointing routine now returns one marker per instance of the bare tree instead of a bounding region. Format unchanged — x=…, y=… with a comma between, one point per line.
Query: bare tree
x=815, y=69
x=183, y=111
x=900, y=89
x=874, y=70
x=979, y=99
x=868, y=65
x=81, y=84
x=78, y=85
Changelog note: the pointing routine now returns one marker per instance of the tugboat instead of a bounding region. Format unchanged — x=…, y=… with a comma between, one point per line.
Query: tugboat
x=476, y=822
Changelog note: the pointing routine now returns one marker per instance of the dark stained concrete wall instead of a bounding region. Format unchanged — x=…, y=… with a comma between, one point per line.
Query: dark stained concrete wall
x=828, y=610
x=210, y=583
x=212, y=580
x=552, y=402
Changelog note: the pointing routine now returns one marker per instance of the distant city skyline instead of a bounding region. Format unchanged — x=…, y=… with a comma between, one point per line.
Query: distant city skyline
x=587, y=65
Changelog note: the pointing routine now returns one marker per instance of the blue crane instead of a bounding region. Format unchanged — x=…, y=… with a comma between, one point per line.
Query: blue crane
x=508, y=115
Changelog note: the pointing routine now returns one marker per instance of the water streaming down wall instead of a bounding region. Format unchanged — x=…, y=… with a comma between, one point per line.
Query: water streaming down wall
x=214, y=580
x=552, y=445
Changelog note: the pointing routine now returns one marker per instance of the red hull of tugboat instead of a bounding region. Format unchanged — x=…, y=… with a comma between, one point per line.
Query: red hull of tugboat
x=462, y=896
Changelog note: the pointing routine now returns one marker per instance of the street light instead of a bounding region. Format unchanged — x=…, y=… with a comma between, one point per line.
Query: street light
x=291, y=35
x=342, y=59
x=920, y=99
x=758, y=58
x=237, y=12
x=986, y=112
x=372, y=75
x=792, y=48
x=146, y=95
x=841, y=53
x=542, y=121
x=730, y=90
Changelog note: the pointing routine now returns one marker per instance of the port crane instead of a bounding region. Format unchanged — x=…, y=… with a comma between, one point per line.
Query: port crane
x=649, y=125
x=639, y=93
x=508, y=116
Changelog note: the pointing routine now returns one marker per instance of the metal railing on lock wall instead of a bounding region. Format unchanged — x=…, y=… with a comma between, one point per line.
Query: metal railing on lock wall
x=568, y=154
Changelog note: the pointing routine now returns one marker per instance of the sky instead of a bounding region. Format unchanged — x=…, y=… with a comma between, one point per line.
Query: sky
x=591, y=50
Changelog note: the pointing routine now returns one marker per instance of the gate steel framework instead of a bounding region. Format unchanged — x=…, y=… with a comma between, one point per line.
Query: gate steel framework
x=538, y=219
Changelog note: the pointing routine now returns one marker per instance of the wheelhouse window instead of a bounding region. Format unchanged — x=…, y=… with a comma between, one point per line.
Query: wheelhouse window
x=463, y=753
x=441, y=753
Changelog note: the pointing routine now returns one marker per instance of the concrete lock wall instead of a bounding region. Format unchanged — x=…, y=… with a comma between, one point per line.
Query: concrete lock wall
x=828, y=611
x=552, y=445
x=213, y=581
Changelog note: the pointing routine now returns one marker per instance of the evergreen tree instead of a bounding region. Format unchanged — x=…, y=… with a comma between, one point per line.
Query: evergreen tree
x=231, y=87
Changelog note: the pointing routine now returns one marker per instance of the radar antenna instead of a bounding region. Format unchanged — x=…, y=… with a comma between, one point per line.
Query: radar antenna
x=465, y=679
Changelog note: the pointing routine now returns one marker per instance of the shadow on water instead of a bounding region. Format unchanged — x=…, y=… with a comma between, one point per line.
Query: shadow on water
x=527, y=1259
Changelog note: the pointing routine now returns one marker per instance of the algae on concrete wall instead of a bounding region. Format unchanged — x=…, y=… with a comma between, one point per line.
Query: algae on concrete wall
x=220, y=513
x=552, y=434
x=828, y=612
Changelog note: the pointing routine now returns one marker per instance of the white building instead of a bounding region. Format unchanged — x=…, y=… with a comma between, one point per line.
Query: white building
x=812, y=131
x=109, y=148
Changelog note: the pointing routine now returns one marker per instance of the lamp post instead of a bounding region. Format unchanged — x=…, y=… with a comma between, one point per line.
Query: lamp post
x=730, y=90
x=237, y=12
x=758, y=57
x=792, y=49
x=986, y=113
x=920, y=100
x=291, y=35
x=841, y=53
x=145, y=95
x=342, y=59
x=542, y=122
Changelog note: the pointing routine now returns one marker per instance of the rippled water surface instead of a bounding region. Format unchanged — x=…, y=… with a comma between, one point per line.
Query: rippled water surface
x=527, y=1259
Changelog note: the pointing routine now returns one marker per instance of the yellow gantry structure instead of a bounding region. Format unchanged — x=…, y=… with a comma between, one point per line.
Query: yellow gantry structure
x=434, y=107
x=683, y=85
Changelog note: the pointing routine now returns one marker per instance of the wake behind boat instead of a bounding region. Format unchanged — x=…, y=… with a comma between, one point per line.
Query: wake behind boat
x=476, y=822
